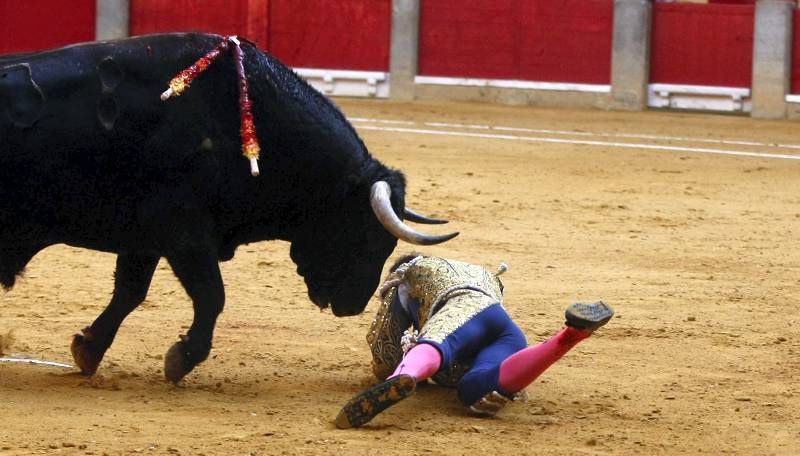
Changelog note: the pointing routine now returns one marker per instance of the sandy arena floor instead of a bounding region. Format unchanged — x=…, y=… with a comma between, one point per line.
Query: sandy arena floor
x=697, y=251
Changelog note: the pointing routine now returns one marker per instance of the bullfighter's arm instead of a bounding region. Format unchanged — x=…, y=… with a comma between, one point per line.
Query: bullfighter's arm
x=385, y=333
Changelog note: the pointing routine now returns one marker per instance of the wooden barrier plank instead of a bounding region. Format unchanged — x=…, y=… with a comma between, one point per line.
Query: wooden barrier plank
x=226, y=17
x=545, y=40
x=34, y=25
x=345, y=34
x=567, y=41
x=702, y=44
x=478, y=39
x=795, y=83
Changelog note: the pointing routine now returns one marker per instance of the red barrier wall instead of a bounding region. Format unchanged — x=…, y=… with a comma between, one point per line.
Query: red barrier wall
x=795, y=84
x=226, y=17
x=567, y=41
x=342, y=34
x=345, y=34
x=34, y=25
x=702, y=44
x=543, y=40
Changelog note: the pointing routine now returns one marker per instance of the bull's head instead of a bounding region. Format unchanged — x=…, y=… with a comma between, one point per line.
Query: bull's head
x=341, y=255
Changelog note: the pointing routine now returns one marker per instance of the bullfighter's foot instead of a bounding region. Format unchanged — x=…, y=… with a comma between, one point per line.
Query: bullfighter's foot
x=86, y=357
x=178, y=361
x=588, y=316
x=372, y=401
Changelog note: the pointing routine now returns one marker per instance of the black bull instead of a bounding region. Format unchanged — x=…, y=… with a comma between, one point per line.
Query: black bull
x=91, y=157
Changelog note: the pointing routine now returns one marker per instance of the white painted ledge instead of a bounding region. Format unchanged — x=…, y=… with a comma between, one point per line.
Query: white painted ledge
x=347, y=83
x=792, y=98
x=711, y=98
x=512, y=84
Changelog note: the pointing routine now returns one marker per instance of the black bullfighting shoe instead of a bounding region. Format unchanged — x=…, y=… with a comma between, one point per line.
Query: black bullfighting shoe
x=588, y=316
x=373, y=400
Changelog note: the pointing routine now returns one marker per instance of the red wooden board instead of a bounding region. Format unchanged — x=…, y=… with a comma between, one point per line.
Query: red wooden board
x=795, y=86
x=346, y=34
x=34, y=25
x=543, y=40
x=342, y=34
x=702, y=44
x=226, y=17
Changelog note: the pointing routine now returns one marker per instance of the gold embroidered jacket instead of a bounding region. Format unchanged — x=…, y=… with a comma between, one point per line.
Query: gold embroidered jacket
x=450, y=293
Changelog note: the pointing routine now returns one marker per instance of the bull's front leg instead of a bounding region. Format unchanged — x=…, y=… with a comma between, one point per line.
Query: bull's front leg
x=198, y=272
x=131, y=282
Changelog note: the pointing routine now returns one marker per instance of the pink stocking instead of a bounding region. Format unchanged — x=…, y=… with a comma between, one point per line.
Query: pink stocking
x=523, y=367
x=421, y=362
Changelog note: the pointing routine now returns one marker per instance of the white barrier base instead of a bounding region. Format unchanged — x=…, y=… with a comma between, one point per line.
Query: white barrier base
x=347, y=83
x=513, y=84
x=708, y=98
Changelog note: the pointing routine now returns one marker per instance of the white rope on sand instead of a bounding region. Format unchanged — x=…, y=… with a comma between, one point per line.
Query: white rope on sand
x=37, y=362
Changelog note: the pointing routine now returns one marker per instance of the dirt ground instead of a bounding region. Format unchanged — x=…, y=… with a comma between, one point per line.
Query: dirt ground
x=697, y=252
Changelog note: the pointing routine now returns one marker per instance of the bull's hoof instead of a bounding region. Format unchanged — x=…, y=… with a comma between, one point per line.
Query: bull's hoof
x=177, y=361
x=86, y=357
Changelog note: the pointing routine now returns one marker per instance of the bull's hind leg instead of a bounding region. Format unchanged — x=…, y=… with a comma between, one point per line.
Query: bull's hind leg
x=198, y=272
x=131, y=282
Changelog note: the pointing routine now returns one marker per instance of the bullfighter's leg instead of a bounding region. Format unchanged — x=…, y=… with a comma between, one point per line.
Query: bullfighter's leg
x=198, y=272
x=420, y=363
x=488, y=387
x=131, y=282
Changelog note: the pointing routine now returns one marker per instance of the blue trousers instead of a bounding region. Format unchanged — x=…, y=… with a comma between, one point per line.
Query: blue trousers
x=483, y=343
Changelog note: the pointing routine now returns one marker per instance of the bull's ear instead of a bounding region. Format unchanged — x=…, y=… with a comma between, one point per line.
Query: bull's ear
x=380, y=199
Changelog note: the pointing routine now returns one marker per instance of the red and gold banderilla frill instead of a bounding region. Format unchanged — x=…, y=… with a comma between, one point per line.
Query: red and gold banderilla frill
x=247, y=128
x=250, y=146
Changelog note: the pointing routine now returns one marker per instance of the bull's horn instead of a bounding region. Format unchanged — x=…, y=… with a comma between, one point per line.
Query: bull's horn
x=416, y=217
x=380, y=199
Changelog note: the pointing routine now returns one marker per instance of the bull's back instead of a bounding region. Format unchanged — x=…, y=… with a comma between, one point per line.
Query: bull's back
x=89, y=95
x=85, y=136
x=87, y=140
